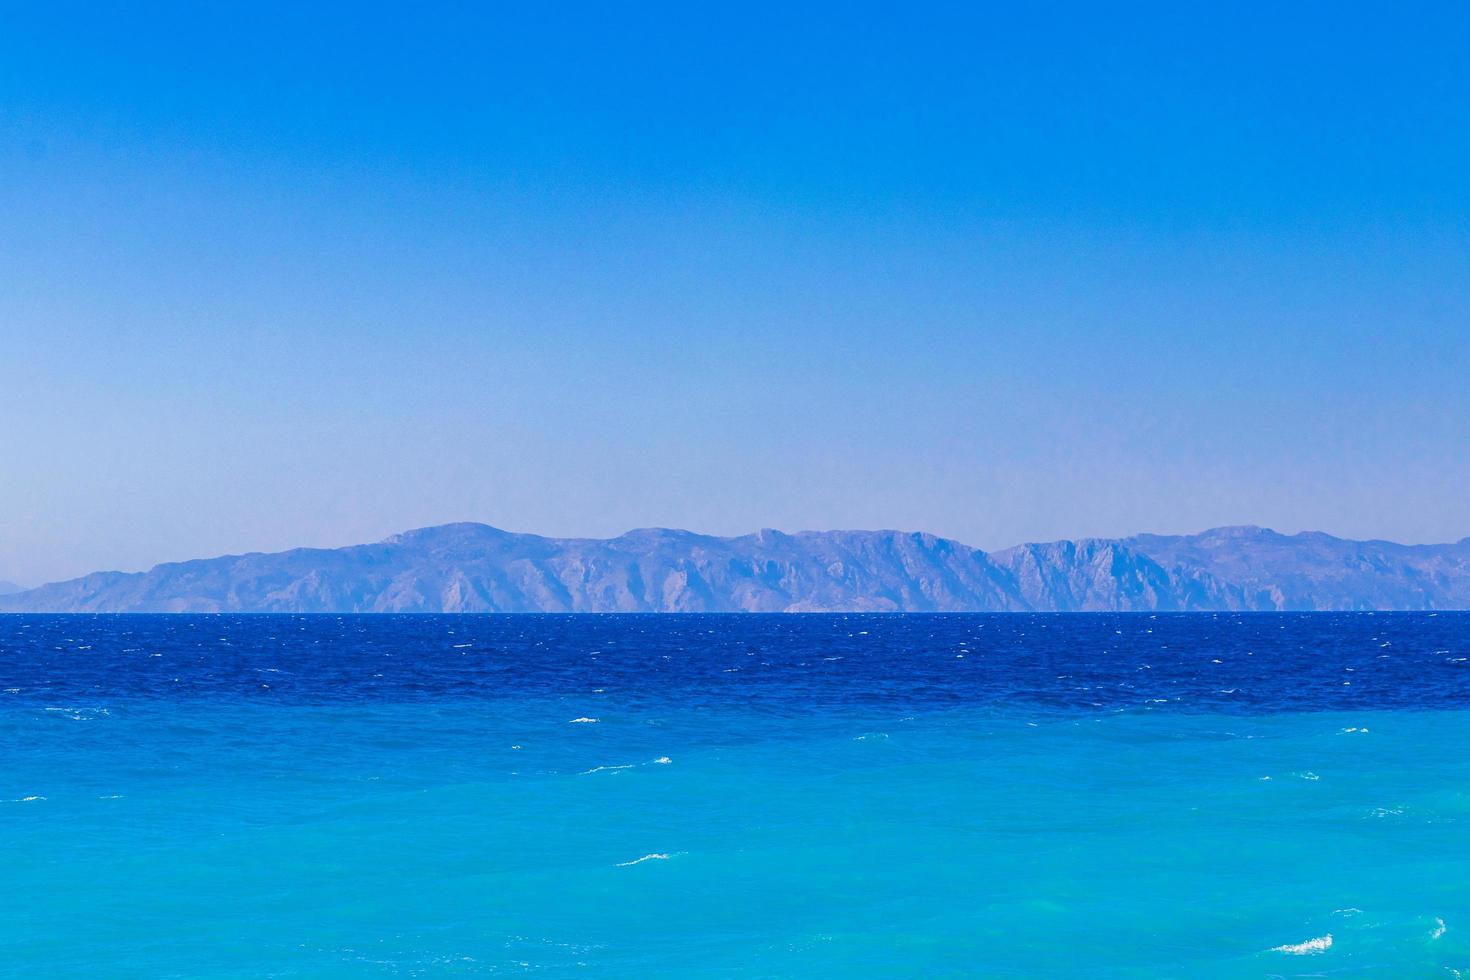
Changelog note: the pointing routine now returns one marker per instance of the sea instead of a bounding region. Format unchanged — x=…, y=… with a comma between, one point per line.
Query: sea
x=1077, y=795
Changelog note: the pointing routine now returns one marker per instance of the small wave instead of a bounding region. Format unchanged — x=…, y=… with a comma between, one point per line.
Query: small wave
x=79, y=714
x=648, y=857
x=1438, y=929
x=662, y=760
x=1310, y=777
x=584, y=721
x=1349, y=731
x=29, y=799
x=1319, y=945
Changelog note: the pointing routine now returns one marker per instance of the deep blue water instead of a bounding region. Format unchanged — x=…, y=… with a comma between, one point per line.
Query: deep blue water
x=1009, y=796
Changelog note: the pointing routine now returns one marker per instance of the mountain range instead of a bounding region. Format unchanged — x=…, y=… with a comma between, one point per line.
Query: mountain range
x=477, y=568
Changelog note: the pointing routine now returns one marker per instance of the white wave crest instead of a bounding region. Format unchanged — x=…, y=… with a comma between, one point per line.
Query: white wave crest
x=662, y=760
x=1319, y=945
x=79, y=714
x=648, y=857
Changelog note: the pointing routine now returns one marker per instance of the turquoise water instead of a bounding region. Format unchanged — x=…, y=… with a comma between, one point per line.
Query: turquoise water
x=893, y=827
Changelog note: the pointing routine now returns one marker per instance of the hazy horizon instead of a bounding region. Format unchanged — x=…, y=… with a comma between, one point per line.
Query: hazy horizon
x=697, y=531
x=314, y=277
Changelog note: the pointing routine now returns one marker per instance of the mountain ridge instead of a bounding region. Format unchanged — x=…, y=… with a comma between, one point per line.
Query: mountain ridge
x=472, y=567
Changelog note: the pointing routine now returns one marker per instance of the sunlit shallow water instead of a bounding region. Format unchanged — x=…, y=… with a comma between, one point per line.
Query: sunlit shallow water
x=1124, y=796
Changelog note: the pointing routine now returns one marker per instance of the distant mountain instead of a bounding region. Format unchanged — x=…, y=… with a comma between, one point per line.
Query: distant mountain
x=1313, y=570
x=10, y=588
x=477, y=568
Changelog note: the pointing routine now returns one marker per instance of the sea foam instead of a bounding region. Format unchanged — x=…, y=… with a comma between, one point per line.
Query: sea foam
x=648, y=857
x=1319, y=945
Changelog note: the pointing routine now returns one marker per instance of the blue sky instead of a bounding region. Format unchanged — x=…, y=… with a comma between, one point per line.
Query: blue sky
x=273, y=276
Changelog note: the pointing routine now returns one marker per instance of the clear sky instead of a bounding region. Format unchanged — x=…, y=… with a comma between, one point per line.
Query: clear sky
x=313, y=274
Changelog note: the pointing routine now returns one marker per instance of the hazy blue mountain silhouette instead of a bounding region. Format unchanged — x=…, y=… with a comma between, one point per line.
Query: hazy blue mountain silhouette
x=478, y=568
